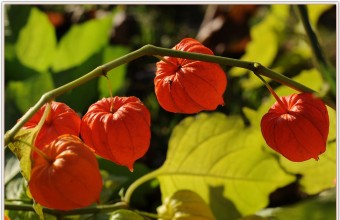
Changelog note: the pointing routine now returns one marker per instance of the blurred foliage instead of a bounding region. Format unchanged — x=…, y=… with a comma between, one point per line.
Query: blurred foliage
x=47, y=46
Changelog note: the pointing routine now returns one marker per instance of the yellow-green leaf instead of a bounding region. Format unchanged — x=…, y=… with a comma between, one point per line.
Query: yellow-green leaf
x=223, y=161
x=39, y=210
x=264, y=43
x=27, y=92
x=22, y=144
x=81, y=42
x=36, y=42
x=184, y=205
x=315, y=10
x=316, y=175
x=22, y=150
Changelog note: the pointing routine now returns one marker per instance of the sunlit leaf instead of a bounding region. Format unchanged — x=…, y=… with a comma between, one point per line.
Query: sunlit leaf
x=184, y=205
x=264, y=39
x=39, y=210
x=315, y=10
x=23, y=151
x=21, y=145
x=316, y=175
x=81, y=42
x=27, y=92
x=36, y=42
x=117, y=75
x=217, y=157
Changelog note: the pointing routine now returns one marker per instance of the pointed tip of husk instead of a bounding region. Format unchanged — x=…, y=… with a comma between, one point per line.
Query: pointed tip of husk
x=130, y=167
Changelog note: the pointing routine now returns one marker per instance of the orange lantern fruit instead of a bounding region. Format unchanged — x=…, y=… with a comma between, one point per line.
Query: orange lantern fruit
x=297, y=127
x=67, y=176
x=61, y=120
x=189, y=86
x=118, y=129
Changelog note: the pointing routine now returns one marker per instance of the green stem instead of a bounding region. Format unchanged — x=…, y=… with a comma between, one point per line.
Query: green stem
x=152, y=51
x=328, y=72
x=261, y=70
x=252, y=66
x=138, y=182
x=88, y=210
x=271, y=90
x=99, y=71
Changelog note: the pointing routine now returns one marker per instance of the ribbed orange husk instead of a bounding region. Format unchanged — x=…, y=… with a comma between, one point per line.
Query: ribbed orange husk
x=189, y=86
x=61, y=120
x=299, y=132
x=70, y=180
x=118, y=129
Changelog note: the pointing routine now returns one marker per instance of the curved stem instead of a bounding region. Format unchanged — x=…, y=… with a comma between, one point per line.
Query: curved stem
x=99, y=71
x=261, y=70
x=252, y=66
x=152, y=51
x=138, y=182
x=88, y=210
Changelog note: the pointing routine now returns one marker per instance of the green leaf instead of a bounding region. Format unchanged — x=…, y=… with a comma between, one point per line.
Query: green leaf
x=81, y=42
x=89, y=89
x=125, y=214
x=21, y=146
x=36, y=42
x=122, y=178
x=315, y=10
x=322, y=206
x=117, y=75
x=217, y=157
x=264, y=43
x=316, y=175
x=17, y=16
x=22, y=151
x=185, y=205
x=27, y=92
x=39, y=210
x=110, y=184
x=22, y=143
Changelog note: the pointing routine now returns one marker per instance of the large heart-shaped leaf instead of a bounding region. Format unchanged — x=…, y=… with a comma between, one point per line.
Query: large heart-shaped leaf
x=81, y=42
x=36, y=42
x=222, y=160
